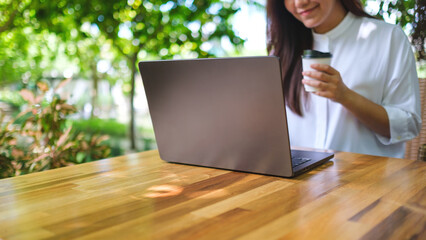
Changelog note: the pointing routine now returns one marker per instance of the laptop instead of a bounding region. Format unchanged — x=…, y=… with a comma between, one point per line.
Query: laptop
x=226, y=113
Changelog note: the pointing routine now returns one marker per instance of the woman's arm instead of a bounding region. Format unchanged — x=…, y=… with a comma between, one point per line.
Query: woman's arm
x=330, y=85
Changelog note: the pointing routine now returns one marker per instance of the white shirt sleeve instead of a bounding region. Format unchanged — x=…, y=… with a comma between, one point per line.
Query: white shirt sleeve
x=401, y=98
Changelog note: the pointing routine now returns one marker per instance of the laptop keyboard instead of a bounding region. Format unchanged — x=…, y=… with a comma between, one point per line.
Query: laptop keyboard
x=298, y=160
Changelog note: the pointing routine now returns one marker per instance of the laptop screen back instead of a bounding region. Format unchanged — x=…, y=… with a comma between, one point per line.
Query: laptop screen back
x=224, y=113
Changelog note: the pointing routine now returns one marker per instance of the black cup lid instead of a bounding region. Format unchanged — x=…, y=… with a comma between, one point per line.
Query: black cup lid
x=315, y=54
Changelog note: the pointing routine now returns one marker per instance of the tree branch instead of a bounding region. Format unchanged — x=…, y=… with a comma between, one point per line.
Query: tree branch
x=6, y=26
x=11, y=18
x=114, y=43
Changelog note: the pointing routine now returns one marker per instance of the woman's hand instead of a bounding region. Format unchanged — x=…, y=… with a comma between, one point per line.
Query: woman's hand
x=328, y=82
x=330, y=85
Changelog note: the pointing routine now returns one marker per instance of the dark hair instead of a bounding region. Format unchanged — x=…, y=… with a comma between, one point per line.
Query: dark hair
x=287, y=37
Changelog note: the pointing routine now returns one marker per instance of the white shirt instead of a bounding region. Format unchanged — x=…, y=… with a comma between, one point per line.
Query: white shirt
x=375, y=60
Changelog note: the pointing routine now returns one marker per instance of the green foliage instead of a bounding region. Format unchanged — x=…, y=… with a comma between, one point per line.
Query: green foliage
x=10, y=13
x=121, y=33
x=158, y=27
x=44, y=138
x=109, y=127
x=12, y=97
x=116, y=131
x=24, y=53
x=133, y=30
x=404, y=10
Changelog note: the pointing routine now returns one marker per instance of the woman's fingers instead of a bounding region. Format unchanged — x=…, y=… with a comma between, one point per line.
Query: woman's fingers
x=324, y=68
x=326, y=80
x=318, y=75
x=315, y=83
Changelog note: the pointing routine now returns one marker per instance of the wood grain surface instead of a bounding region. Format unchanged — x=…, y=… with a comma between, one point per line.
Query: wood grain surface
x=139, y=196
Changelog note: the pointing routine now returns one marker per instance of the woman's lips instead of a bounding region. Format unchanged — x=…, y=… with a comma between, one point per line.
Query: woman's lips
x=308, y=11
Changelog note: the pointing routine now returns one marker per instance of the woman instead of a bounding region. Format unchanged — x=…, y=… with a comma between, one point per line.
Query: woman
x=367, y=99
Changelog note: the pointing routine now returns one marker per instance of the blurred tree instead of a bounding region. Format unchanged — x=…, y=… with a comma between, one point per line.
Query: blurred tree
x=24, y=54
x=9, y=10
x=81, y=43
x=141, y=29
x=136, y=29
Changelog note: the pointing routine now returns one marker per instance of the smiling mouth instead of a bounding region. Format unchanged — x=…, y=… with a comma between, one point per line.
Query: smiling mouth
x=308, y=11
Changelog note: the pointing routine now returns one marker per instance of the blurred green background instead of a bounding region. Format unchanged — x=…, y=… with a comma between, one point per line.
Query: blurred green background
x=97, y=45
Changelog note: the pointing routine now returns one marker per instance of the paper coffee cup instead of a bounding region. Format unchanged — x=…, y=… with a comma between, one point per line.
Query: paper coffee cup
x=310, y=57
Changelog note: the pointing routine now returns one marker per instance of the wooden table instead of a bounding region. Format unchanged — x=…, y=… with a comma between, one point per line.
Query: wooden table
x=139, y=196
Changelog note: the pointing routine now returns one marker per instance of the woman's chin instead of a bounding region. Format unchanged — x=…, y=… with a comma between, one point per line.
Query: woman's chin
x=310, y=23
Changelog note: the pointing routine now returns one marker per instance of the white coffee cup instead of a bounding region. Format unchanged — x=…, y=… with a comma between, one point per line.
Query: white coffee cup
x=311, y=57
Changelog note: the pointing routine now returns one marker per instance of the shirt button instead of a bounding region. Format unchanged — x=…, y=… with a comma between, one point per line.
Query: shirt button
x=399, y=138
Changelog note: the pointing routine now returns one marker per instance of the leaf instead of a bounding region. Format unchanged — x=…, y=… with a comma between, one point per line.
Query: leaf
x=80, y=157
x=22, y=114
x=63, y=83
x=17, y=153
x=68, y=145
x=39, y=98
x=43, y=86
x=68, y=107
x=101, y=139
x=28, y=96
x=84, y=145
x=40, y=157
x=63, y=137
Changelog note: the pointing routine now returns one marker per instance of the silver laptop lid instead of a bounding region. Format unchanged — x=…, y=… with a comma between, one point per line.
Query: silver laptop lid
x=225, y=113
